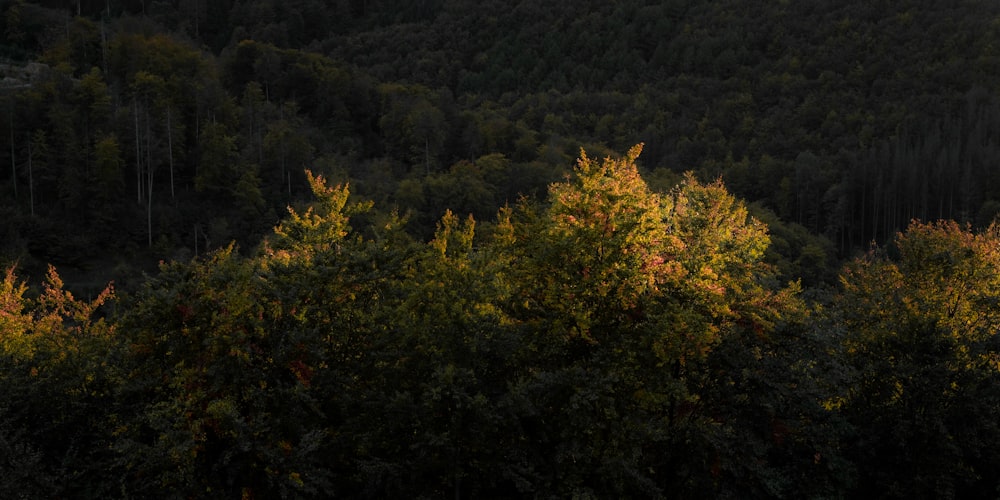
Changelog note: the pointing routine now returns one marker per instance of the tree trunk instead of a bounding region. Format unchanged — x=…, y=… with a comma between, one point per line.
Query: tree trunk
x=149, y=180
x=31, y=183
x=281, y=116
x=170, y=152
x=138, y=154
x=104, y=43
x=149, y=210
x=13, y=160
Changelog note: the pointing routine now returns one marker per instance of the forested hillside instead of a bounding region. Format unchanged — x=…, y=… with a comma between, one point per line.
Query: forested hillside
x=490, y=249
x=157, y=130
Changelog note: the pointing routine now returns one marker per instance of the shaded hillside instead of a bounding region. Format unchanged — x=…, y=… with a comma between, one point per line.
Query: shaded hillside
x=847, y=119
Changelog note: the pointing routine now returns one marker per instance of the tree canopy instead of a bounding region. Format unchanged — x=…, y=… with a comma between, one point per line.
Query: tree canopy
x=609, y=340
x=381, y=249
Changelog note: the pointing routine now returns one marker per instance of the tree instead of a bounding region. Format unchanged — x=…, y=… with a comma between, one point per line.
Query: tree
x=413, y=127
x=920, y=321
x=108, y=176
x=621, y=293
x=286, y=148
x=221, y=171
x=218, y=392
x=59, y=364
x=217, y=166
x=600, y=247
x=433, y=420
x=243, y=370
x=322, y=226
x=38, y=165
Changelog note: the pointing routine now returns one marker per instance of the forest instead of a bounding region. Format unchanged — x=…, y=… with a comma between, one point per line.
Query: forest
x=377, y=249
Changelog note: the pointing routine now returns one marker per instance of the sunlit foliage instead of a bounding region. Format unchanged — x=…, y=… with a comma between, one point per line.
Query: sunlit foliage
x=920, y=321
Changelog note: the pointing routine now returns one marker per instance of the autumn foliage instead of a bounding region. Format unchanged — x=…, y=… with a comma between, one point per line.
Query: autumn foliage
x=610, y=340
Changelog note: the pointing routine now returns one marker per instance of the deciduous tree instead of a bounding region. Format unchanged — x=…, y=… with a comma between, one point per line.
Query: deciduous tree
x=920, y=321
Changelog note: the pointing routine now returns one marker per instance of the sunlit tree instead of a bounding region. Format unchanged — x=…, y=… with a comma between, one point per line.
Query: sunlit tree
x=622, y=293
x=920, y=321
x=59, y=362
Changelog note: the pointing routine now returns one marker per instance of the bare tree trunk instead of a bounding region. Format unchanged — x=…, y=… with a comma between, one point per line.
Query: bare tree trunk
x=31, y=183
x=13, y=162
x=149, y=210
x=260, y=147
x=864, y=197
x=170, y=152
x=138, y=154
x=149, y=146
x=149, y=180
x=104, y=42
x=281, y=116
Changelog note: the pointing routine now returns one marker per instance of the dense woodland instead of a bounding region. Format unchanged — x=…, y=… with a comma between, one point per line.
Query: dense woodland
x=364, y=248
